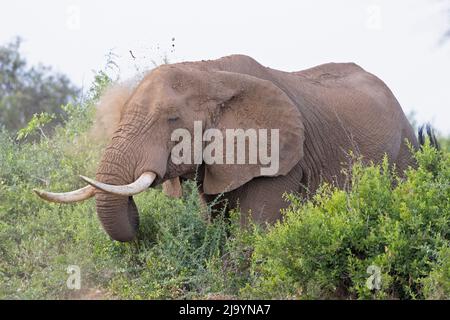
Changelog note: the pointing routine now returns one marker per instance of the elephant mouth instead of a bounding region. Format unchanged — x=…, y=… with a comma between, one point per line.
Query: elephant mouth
x=133, y=214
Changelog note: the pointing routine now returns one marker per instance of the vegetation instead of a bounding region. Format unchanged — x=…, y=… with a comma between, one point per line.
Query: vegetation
x=381, y=237
x=25, y=90
x=325, y=247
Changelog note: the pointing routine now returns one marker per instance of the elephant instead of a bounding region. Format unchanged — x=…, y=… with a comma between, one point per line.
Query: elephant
x=322, y=114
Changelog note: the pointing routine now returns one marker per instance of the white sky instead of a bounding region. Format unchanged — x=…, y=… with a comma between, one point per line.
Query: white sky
x=396, y=40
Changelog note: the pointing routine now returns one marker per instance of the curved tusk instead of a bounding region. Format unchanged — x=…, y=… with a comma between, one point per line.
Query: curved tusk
x=67, y=197
x=141, y=184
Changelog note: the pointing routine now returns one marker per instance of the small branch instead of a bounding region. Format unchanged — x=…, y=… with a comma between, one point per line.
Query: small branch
x=42, y=133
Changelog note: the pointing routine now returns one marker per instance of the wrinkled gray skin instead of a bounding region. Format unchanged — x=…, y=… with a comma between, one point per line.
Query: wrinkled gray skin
x=322, y=113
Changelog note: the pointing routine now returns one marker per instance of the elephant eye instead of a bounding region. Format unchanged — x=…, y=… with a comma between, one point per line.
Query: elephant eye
x=173, y=118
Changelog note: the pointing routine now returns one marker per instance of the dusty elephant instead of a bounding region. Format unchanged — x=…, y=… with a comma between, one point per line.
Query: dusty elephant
x=322, y=114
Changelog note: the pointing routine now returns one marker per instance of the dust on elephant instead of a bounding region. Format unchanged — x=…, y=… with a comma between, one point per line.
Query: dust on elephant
x=321, y=113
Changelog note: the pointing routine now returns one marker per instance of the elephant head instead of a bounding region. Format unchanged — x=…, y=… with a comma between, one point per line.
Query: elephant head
x=172, y=97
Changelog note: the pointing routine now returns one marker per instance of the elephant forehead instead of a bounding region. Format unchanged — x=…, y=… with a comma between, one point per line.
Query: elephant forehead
x=174, y=76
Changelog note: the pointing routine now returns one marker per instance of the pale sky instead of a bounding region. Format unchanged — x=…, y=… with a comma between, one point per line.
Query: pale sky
x=396, y=40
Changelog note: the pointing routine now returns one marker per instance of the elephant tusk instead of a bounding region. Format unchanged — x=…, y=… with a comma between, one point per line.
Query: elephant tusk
x=141, y=184
x=67, y=197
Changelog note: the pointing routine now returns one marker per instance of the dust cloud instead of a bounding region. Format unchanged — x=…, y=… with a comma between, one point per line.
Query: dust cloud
x=109, y=109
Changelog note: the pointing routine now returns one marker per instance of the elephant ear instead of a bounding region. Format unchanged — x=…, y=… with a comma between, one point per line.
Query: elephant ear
x=248, y=102
x=172, y=188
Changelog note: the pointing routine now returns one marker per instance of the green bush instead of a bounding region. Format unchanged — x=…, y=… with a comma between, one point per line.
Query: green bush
x=38, y=240
x=324, y=247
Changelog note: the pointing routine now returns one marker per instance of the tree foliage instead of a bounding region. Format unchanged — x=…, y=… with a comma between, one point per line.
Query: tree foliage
x=25, y=91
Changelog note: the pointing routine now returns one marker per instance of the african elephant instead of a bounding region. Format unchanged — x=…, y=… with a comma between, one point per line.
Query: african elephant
x=321, y=113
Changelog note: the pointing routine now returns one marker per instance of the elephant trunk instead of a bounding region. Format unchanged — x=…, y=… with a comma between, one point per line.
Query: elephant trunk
x=118, y=215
